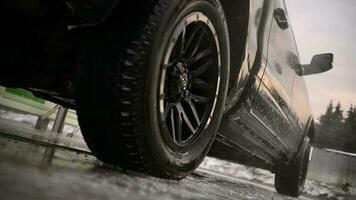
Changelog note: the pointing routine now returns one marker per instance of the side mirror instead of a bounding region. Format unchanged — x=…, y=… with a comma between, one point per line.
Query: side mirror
x=319, y=63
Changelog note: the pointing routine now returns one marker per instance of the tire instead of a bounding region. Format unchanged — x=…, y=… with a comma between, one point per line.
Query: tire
x=290, y=179
x=132, y=82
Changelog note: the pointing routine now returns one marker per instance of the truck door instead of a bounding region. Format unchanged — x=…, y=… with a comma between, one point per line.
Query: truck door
x=273, y=104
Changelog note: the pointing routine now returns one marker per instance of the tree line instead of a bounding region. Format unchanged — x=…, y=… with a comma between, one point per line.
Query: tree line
x=337, y=130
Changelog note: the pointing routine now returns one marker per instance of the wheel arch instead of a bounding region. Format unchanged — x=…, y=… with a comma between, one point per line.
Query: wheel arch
x=309, y=131
x=237, y=15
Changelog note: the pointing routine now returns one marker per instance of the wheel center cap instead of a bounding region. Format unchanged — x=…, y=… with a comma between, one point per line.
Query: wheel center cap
x=183, y=79
x=179, y=84
x=183, y=82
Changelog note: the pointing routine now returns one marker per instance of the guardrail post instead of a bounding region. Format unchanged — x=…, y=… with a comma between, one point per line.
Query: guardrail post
x=42, y=121
x=74, y=132
x=59, y=121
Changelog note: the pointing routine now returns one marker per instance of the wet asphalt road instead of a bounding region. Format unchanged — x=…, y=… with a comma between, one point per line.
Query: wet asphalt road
x=34, y=171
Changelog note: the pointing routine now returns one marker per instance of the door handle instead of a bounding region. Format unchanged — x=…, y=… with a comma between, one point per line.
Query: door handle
x=281, y=18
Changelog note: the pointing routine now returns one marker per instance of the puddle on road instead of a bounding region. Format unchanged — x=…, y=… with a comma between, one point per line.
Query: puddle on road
x=29, y=152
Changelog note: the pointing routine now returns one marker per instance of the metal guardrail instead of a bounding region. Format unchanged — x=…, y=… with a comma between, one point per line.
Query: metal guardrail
x=333, y=167
x=23, y=101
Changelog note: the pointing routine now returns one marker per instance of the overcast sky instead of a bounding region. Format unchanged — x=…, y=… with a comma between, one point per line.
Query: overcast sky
x=323, y=26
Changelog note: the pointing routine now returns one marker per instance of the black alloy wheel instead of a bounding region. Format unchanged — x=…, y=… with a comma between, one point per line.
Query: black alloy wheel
x=190, y=79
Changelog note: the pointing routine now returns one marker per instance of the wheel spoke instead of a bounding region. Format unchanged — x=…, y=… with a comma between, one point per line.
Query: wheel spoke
x=194, y=111
x=200, y=58
x=177, y=122
x=185, y=118
x=200, y=99
x=200, y=70
x=172, y=121
x=206, y=53
x=182, y=41
x=191, y=37
x=201, y=85
x=196, y=44
x=167, y=109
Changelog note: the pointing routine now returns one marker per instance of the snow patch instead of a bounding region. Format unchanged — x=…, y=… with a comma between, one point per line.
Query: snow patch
x=238, y=171
x=328, y=191
x=18, y=117
x=313, y=188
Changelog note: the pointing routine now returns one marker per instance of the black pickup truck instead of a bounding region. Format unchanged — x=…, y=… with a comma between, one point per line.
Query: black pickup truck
x=160, y=84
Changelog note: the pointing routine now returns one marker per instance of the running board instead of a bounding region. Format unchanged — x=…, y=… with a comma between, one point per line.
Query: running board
x=247, y=118
x=236, y=135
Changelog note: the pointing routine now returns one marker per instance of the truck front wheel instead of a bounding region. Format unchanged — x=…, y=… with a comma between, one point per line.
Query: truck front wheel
x=151, y=97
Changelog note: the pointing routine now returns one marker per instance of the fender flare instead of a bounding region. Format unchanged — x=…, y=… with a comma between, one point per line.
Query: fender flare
x=308, y=131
